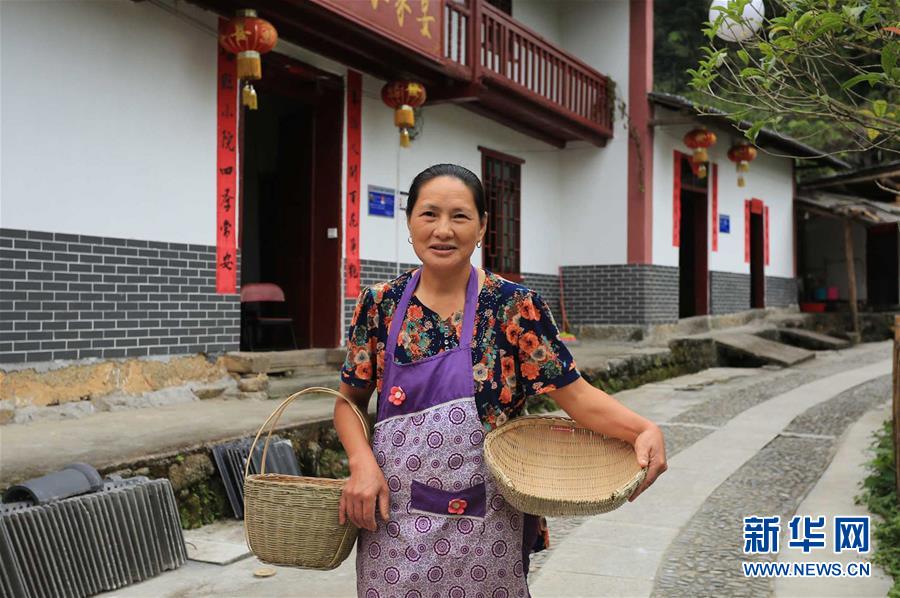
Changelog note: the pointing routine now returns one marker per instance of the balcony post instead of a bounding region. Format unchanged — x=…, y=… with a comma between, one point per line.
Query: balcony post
x=474, y=37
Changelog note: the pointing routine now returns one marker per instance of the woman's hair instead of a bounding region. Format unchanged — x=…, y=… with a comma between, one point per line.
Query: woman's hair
x=465, y=175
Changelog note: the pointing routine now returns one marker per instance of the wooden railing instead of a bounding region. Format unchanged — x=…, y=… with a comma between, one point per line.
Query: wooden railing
x=511, y=54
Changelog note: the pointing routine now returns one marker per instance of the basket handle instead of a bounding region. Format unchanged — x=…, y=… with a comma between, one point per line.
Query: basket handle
x=276, y=415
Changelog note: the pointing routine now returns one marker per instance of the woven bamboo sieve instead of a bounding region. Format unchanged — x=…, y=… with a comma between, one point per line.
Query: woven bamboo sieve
x=546, y=465
x=292, y=520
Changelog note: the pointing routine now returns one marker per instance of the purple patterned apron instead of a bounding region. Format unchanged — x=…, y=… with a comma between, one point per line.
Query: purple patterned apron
x=450, y=534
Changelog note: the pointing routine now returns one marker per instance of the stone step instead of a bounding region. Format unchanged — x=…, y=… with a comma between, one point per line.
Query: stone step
x=281, y=387
x=808, y=339
x=757, y=350
x=267, y=362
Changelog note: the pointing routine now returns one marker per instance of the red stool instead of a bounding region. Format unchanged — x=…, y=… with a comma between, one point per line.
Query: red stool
x=264, y=292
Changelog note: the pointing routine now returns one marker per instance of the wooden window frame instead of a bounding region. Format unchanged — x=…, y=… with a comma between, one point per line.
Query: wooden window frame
x=493, y=216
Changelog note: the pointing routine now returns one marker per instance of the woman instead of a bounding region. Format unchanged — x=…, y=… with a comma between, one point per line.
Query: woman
x=453, y=352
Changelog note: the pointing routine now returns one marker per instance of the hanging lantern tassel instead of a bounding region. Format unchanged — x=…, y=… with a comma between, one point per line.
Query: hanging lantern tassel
x=249, y=65
x=248, y=96
x=405, y=119
x=742, y=167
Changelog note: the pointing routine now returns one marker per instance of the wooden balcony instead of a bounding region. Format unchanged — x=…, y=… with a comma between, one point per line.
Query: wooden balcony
x=480, y=58
x=513, y=74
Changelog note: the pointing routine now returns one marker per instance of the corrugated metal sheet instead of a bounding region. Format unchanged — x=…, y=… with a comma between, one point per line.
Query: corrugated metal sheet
x=126, y=533
x=231, y=457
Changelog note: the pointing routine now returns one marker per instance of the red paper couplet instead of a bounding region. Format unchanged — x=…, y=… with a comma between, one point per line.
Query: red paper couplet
x=354, y=161
x=747, y=231
x=226, y=171
x=715, y=207
x=767, y=233
x=676, y=200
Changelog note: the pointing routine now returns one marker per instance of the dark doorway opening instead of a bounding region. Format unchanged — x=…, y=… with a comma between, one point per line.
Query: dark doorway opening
x=693, y=253
x=882, y=255
x=757, y=255
x=290, y=208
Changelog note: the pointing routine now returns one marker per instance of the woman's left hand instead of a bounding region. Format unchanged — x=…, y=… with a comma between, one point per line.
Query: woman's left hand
x=651, y=451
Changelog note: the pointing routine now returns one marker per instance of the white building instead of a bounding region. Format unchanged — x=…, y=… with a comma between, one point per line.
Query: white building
x=109, y=169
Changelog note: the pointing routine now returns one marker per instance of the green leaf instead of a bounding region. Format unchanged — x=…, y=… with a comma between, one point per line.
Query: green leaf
x=753, y=131
x=879, y=107
x=744, y=56
x=749, y=72
x=853, y=12
x=870, y=78
x=802, y=24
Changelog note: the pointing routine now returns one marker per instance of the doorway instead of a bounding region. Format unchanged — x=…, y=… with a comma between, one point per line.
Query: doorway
x=757, y=254
x=882, y=257
x=290, y=208
x=693, y=254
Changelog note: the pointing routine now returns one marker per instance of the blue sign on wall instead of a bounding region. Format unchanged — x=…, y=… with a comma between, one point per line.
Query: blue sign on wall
x=724, y=223
x=381, y=201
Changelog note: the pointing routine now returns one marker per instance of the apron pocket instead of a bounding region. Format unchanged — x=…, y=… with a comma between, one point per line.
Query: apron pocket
x=468, y=502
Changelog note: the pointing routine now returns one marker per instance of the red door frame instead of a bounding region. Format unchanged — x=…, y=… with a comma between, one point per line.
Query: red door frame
x=323, y=92
x=699, y=200
x=756, y=248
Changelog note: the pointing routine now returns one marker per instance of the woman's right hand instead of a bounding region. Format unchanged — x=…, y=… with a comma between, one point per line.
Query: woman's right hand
x=363, y=490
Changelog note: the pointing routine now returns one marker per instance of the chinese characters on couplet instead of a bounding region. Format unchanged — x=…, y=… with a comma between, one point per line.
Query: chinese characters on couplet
x=354, y=146
x=226, y=176
x=850, y=533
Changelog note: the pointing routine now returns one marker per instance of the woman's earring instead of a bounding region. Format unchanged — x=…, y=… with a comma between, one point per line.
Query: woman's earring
x=478, y=244
x=409, y=240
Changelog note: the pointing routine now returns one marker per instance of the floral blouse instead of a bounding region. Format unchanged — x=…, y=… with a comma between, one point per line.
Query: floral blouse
x=516, y=352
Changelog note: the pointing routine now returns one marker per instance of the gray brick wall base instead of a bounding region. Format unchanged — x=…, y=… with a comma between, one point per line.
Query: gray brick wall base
x=781, y=292
x=66, y=296
x=729, y=292
x=621, y=294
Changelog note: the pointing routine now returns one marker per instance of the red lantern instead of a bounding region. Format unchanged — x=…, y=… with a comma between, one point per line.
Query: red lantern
x=249, y=37
x=403, y=97
x=742, y=154
x=698, y=140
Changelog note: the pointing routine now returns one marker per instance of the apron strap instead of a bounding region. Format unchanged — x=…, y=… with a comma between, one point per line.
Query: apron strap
x=468, y=327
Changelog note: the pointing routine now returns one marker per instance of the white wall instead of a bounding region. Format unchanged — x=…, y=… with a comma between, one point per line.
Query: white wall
x=453, y=134
x=108, y=120
x=542, y=16
x=594, y=190
x=769, y=179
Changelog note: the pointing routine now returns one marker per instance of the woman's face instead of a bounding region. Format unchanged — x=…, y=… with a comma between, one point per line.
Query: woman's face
x=444, y=225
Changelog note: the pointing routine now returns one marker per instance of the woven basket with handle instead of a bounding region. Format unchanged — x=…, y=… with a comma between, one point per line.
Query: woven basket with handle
x=547, y=465
x=291, y=520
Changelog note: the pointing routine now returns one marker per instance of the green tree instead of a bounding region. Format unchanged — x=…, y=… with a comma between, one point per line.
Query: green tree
x=824, y=71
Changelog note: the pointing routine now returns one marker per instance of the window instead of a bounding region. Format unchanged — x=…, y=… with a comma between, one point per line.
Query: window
x=502, y=177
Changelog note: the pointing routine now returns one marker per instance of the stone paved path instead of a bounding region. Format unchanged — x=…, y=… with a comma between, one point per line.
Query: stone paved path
x=756, y=446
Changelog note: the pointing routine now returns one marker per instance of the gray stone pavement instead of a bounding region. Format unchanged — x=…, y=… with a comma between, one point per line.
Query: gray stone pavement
x=624, y=553
x=733, y=436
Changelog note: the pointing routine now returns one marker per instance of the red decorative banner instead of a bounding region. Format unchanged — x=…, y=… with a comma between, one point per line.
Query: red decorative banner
x=354, y=160
x=766, y=233
x=747, y=231
x=226, y=171
x=676, y=200
x=715, y=206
